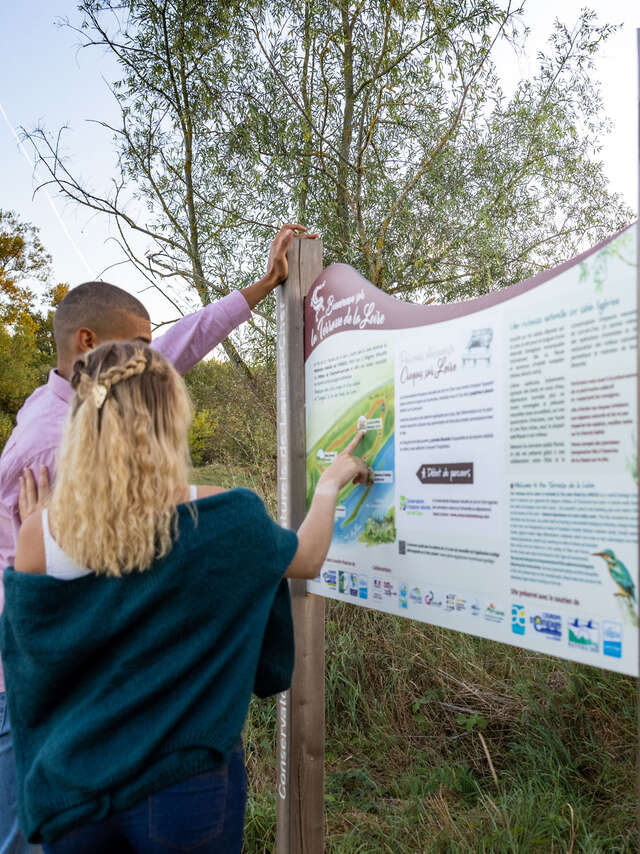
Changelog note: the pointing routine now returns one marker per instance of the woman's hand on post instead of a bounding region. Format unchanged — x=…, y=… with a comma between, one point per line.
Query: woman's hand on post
x=33, y=496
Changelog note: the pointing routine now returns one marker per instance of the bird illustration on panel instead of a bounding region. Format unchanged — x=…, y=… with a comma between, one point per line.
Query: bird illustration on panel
x=619, y=572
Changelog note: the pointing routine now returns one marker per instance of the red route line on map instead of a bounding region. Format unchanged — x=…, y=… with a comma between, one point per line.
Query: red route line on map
x=352, y=430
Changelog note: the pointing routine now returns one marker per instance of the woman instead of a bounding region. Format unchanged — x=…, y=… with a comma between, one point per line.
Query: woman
x=138, y=621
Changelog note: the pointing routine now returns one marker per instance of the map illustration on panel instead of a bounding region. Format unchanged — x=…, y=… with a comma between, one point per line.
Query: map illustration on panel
x=365, y=513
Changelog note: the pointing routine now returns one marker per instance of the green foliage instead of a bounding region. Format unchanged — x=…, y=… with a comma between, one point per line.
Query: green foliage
x=22, y=257
x=6, y=426
x=27, y=348
x=471, y=722
x=414, y=165
x=22, y=368
x=202, y=437
x=230, y=424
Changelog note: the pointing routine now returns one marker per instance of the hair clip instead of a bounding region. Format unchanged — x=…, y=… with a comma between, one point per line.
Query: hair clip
x=99, y=394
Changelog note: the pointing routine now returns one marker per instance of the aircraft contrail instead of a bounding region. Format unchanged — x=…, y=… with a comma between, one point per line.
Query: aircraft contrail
x=55, y=210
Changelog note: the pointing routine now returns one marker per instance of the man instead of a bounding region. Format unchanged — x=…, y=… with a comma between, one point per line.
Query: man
x=90, y=314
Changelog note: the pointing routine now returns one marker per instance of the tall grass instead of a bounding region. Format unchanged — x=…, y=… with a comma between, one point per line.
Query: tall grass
x=441, y=742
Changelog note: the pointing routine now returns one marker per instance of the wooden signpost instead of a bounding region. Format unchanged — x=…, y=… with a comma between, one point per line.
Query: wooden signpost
x=300, y=738
x=638, y=399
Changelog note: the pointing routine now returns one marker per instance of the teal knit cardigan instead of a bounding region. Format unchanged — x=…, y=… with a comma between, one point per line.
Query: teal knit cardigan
x=120, y=687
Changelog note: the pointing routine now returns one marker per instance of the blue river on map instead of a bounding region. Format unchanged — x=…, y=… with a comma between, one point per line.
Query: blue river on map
x=380, y=498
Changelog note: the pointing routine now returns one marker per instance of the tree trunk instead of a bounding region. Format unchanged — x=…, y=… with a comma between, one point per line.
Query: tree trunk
x=306, y=141
x=342, y=192
x=194, y=238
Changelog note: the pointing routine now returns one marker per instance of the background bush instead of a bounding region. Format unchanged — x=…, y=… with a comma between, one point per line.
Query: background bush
x=231, y=425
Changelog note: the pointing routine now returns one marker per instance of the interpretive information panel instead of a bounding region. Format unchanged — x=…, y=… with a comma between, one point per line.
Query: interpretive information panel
x=503, y=440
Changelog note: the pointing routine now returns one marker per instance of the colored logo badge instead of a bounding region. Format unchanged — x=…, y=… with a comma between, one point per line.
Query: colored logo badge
x=403, y=595
x=353, y=584
x=416, y=596
x=584, y=634
x=363, y=587
x=612, y=639
x=475, y=608
x=493, y=614
x=389, y=589
x=329, y=578
x=549, y=625
x=342, y=581
x=413, y=506
x=433, y=599
x=450, y=602
x=518, y=619
x=378, y=588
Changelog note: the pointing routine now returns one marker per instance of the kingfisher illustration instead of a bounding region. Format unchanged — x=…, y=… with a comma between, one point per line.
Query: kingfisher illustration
x=620, y=574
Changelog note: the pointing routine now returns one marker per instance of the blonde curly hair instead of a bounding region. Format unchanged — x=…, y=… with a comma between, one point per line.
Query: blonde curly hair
x=123, y=459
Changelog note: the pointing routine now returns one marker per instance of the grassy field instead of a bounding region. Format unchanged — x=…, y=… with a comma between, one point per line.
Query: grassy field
x=439, y=742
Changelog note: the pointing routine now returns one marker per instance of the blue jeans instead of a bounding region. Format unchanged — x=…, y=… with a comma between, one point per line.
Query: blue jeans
x=12, y=840
x=202, y=815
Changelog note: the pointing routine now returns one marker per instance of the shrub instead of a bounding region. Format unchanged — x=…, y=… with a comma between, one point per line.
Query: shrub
x=6, y=426
x=202, y=437
x=233, y=424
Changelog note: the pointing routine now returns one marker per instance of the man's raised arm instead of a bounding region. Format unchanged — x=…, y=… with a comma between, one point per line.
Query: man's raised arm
x=192, y=337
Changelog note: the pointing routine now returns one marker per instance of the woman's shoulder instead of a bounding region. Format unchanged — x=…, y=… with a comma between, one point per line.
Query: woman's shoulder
x=239, y=495
x=236, y=519
x=230, y=507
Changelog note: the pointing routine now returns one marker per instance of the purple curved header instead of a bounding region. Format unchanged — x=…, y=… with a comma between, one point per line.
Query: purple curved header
x=342, y=300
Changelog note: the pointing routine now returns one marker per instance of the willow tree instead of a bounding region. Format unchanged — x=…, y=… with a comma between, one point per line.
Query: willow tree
x=382, y=124
x=393, y=136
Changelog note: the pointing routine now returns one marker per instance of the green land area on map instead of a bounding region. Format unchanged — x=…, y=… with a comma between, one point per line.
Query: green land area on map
x=380, y=530
x=378, y=403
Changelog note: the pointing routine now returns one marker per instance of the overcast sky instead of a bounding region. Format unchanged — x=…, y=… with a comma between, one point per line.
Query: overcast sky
x=45, y=79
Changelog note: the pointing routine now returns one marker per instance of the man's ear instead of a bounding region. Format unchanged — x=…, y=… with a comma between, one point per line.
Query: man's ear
x=86, y=339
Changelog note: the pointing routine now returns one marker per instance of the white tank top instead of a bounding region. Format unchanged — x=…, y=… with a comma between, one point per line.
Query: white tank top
x=58, y=563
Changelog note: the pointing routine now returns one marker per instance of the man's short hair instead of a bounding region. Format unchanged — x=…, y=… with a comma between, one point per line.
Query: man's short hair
x=98, y=306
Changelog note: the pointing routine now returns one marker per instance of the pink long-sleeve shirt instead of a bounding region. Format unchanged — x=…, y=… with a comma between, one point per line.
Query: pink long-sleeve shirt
x=38, y=431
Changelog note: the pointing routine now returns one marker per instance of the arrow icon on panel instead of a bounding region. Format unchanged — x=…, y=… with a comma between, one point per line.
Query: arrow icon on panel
x=445, y=473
